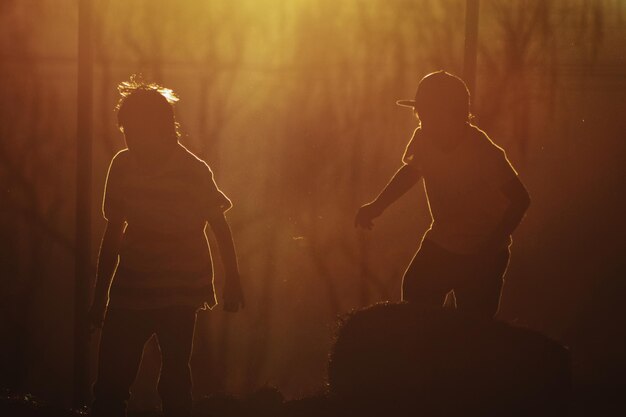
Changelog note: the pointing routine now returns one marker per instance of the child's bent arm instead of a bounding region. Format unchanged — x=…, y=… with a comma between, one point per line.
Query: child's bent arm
x=107, y=259
x=401, y=182
x=405, y=178
x=224, y=238
x=519, y=201
x=233, y=293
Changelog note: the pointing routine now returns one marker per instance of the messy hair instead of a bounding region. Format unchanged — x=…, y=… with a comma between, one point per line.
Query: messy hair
x=141, y=99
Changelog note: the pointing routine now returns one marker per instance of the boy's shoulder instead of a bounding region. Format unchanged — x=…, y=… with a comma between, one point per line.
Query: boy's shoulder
x=191, y=158
x=121, y=159
x=481, y=135
x=121, y=155
x=483, y=140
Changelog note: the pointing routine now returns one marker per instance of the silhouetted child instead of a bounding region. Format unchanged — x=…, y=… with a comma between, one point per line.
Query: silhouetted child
x=475, y=197
x=158, y=199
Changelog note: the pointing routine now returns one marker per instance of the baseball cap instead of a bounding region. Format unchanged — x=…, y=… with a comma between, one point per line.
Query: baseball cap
x=440, y=88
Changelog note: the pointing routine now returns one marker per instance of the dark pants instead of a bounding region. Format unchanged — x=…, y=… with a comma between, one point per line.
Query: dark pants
x=476, y=279
x=121, y=346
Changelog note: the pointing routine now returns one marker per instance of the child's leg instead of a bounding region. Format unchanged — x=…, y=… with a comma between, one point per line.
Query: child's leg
x=121, y=345
x=427, y=280
x=478, y=289
x=174, y=329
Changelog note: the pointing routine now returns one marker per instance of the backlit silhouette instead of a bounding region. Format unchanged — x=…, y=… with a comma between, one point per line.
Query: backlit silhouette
x=475, y=197
x=157, y=201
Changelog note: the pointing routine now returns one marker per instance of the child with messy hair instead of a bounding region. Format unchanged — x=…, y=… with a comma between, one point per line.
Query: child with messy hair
x=158, y=200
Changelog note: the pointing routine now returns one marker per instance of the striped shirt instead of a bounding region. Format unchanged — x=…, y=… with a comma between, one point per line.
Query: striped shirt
x=164, y=255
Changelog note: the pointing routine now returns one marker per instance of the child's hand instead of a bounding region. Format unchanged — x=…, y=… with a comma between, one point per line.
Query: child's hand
x=95, y=316
x=233, y=295
x=365, y=215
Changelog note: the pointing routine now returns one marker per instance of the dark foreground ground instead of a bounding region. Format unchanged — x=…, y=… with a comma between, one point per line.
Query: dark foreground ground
x=397, y=360
x=593, y=403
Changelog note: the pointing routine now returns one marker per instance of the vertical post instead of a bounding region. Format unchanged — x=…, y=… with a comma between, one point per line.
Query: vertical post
x=83, y=268
x=471, y=44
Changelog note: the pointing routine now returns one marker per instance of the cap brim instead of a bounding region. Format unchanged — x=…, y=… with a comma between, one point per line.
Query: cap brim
x=406, y=103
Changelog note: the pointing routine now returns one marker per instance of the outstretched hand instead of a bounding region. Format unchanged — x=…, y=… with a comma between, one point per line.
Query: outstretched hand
x=233, y=295
x=365, y=215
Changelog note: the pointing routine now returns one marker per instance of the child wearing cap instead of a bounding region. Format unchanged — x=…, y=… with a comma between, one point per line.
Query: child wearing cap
x=475, y=197
x=158, y=200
